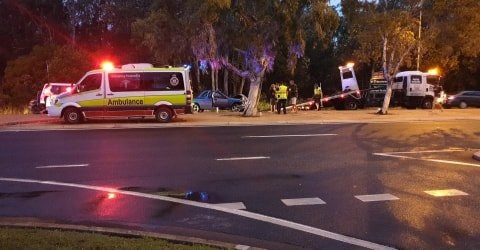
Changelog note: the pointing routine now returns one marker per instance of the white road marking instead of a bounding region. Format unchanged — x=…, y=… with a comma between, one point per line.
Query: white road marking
x=64, y=166
x=396, y=155
x=303, y=201
x=244, y=158
x=377, y=197
x=242, y=247
x=246, y=214
x=278, y=136
x=445, y=192
x=233, y=205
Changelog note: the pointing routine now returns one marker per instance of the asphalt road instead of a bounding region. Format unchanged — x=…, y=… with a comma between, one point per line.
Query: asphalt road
x=276, y=187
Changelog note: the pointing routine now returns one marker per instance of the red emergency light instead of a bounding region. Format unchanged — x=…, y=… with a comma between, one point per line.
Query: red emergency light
x=107, y=65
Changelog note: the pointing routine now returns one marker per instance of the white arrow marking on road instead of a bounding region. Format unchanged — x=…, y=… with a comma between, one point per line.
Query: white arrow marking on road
x=377, y=197
x=64, y=166
x=278, y=136
x=246, y=214
x=244, y=158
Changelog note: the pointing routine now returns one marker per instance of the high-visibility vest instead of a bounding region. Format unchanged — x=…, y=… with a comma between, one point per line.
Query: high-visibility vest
x=282, y=92
x=317, y=91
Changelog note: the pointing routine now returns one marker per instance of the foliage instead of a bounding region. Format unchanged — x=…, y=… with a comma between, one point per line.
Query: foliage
x=27, y=74
x=18, y=238
x=257, y=40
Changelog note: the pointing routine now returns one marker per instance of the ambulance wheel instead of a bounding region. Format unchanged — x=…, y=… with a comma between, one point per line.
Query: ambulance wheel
x=163, y=114
x=72, y=116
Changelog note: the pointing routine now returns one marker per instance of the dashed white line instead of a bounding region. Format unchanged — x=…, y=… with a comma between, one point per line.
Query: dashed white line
x=376, y=197
x=279, y=136
x=233, y=205
x=445, y=192
x=246, y=214
x=244, y=158
x=64, y=166
x=303, y=201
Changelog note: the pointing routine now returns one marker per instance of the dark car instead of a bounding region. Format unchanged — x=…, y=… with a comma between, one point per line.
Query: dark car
x=463, y=99
x=209, y=99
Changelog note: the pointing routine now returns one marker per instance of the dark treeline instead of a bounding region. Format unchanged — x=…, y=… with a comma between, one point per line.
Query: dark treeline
x=237, y=45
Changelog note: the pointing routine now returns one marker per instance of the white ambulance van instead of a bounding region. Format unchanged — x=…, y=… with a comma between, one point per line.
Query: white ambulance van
x=132, y=91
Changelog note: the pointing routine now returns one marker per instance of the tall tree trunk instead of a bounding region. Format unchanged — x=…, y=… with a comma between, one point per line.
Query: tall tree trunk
x=216, y=80
x=386, y=74
x=197, y=73
x=213, y=79
x=240, y=88
x=388, y=96
x=225, y=81
x=254, y=94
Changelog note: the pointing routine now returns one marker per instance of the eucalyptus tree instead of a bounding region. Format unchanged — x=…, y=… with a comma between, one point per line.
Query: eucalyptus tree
x=258, y=28
x=386, y=32
x=452, y=32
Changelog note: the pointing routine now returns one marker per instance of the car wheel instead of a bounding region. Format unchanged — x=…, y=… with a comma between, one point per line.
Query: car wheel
x=463, y=105
x=72, y=116
x=196, y=108
x=163, y=114
x=236, y=107
x=36, y=110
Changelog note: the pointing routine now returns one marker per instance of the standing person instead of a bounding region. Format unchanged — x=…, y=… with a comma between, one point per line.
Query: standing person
x=318, y=96
x=273, y=99
x=282, y=98
x=293, y=95
x=439, y=100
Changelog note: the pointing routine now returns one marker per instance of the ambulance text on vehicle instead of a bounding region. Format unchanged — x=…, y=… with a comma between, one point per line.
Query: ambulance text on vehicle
x=132, y=91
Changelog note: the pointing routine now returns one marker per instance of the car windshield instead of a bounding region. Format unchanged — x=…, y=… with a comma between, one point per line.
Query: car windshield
x=59, y=89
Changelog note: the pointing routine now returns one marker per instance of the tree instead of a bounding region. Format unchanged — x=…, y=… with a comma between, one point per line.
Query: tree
x=27, y=74
x=26, y=24
x=385, y=32
x=450, y=42
x=264, y=25
x=218, y=30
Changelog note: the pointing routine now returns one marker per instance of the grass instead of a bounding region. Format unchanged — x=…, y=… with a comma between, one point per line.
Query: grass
x=33, y=238
x=14, y=110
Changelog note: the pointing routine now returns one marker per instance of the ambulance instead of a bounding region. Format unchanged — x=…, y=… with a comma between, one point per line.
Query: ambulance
x=131, y=91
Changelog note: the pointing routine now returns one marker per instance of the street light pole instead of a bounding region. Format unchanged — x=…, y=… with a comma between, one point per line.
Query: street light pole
x=419, y=36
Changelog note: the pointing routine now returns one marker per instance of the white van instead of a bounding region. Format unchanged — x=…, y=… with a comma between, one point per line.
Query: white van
x=132, y=91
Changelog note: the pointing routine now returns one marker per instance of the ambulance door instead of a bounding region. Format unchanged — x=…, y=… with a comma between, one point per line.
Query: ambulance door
x=125, y=95
x=90, y=95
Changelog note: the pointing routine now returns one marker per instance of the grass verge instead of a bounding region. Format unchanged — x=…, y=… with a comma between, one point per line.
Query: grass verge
x=34, y=238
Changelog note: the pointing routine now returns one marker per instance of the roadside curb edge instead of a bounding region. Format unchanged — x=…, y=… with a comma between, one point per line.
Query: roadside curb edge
x=5, y=222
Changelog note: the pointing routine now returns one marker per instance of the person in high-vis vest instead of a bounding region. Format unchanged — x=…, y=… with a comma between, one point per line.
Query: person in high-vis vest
x=282, y=98
x=318, y=96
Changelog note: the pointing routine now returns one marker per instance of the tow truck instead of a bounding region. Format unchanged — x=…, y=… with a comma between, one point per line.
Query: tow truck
x=411, y=89
x=351, y=97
